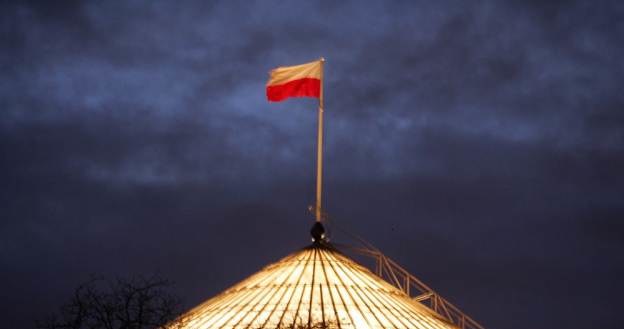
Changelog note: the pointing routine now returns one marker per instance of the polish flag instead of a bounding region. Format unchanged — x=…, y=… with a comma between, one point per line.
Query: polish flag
x=295, y=81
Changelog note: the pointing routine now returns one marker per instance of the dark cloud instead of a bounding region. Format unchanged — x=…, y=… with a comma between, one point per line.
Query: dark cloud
x=478, y=144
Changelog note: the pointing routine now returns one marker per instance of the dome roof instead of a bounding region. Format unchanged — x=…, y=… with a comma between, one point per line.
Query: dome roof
x=316, y=287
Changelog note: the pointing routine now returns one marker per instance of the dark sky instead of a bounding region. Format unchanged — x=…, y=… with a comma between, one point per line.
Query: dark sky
x=478, y=143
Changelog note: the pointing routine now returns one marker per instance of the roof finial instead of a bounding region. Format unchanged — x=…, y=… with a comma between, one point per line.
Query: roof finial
x=317, y=232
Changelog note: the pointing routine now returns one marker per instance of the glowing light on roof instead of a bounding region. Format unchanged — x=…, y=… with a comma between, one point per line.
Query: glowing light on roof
x=317, y=287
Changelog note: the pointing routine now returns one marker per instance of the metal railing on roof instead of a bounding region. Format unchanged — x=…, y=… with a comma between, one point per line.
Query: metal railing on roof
x=399, y=277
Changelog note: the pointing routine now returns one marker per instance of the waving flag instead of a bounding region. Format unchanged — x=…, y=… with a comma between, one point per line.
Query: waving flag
x=305, y=80
x=295, y=81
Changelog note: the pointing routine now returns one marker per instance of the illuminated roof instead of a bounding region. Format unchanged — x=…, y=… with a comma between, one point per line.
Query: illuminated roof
x=317, y=287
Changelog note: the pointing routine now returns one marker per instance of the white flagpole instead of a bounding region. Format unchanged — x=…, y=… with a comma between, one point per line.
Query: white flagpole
x=319, y=152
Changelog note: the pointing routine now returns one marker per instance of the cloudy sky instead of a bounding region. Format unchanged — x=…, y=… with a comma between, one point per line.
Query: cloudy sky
x=478, y=143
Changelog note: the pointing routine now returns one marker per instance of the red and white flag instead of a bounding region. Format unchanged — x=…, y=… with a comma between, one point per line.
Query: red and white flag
x=295, y=81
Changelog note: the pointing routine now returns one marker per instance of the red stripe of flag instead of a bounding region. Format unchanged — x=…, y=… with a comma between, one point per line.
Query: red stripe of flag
x=306, y=87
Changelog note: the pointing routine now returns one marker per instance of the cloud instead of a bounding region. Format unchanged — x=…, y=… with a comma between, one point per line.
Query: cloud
x=479, y=144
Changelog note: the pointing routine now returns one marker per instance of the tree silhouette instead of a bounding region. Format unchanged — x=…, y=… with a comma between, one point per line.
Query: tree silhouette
x=135, y=303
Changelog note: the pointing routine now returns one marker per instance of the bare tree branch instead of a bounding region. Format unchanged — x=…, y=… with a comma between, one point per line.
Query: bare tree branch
x=135, y=303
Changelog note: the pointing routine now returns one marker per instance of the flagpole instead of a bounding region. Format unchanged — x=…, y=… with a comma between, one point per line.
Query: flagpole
x=319, y=151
